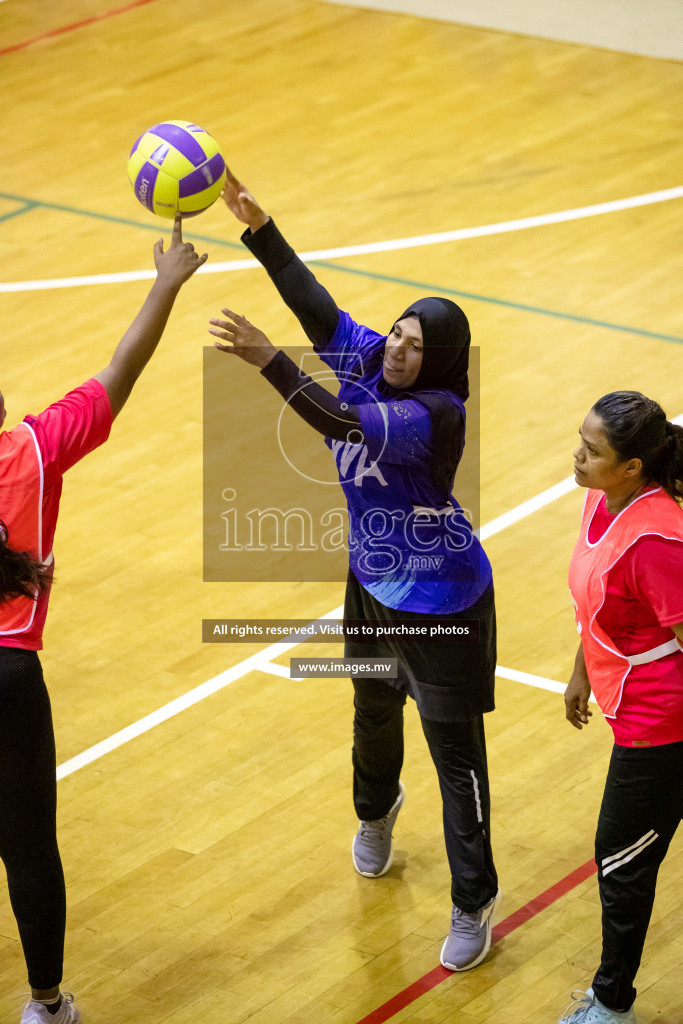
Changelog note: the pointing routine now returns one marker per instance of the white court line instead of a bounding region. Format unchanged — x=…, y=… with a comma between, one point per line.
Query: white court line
x=280, y=670
x=258, y=661
x=187, y=700
x=539, y=501
x=540, y=681
x=505, y=673
x=559, y=217
x=527, y=507
x=117, y=278
x=261, y=660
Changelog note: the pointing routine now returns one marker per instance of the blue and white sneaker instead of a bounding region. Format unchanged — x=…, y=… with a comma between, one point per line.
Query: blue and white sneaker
x=372, y=849
x=586, y=1008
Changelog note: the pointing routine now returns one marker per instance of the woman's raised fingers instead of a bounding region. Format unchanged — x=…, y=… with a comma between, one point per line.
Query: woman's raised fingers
x=224, y=325
x=236, y=317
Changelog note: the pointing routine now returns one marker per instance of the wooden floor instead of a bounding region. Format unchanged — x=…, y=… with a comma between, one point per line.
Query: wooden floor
x=208, y=867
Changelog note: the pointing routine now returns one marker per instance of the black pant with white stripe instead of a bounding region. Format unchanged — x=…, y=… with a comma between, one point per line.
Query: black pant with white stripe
x=458, y=750
x=641, y=809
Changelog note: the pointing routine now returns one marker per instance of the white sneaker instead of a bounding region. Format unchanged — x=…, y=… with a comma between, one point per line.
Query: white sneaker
x=37, y=1013
x=586, y=1008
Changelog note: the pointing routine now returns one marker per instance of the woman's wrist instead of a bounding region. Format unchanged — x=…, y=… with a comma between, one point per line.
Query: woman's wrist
x=258, y=221
x=265, y=356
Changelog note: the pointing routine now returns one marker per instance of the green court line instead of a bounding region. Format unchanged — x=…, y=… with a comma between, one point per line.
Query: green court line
x=28, y=205
x=155, y=227
x=439, y=289
x=432, y=289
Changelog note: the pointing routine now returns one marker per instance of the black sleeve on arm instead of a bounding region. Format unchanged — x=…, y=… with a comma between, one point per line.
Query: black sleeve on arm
x=312, y=402
x=312, y=304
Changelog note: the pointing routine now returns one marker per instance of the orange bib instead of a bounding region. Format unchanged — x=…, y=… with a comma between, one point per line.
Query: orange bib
x=21, y=507
x=652, y=513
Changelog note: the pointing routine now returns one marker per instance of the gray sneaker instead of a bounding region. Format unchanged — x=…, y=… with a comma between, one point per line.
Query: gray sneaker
x=372, y=849
x=469, y=939
x=586, y=1008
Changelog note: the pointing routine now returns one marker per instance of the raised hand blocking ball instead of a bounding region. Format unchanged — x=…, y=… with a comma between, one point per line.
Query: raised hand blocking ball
x=174, y=167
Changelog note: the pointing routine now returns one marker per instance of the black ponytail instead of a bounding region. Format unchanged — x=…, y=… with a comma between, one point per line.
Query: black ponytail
x=672, y=475
x=21, y=574
x=637, y=428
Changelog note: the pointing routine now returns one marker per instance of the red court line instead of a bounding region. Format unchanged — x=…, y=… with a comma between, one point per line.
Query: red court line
x=76, y=24
x=510, y=924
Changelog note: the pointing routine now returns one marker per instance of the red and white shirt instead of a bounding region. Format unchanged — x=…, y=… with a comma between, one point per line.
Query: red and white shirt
x=643, y=599
x=33, y=459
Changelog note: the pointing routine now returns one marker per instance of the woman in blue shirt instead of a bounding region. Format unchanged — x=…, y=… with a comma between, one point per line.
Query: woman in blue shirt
x=397, y=431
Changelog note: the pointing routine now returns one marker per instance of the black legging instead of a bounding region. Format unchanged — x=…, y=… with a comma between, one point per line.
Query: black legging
x=458, y=750
x=28, y=815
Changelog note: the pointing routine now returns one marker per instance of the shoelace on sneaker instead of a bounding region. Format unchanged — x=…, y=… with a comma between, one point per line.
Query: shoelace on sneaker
x=375, y=829
x=581, y=1002
x=67, y=997
x=465, y=923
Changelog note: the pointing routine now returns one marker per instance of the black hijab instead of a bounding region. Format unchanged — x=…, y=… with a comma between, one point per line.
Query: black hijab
x=446, y=340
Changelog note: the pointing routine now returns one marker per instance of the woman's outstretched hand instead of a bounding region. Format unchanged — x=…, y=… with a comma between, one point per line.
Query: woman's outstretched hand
x=174, y=266
x=242, y=338
x=240, y=201
x=180, y=261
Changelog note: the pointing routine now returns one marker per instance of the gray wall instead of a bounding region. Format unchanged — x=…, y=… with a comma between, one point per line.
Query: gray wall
x=653, y=28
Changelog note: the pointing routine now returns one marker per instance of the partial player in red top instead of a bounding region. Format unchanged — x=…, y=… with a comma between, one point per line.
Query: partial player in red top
x=626, y=581
x=33, y=458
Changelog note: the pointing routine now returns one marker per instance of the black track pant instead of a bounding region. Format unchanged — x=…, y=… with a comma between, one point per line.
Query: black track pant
x=458, y=750
x=28, y=805
x=641, y=809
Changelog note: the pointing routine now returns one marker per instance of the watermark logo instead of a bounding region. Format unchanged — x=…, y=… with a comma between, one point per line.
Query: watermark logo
x=382, y=541
x=351, y=455
x=269, y=514
x=285, y=529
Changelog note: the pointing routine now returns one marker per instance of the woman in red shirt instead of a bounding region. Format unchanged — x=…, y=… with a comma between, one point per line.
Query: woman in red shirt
x=626, y=581
x=33, y=458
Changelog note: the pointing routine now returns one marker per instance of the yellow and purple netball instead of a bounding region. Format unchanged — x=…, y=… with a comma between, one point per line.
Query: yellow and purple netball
x=176, y=166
